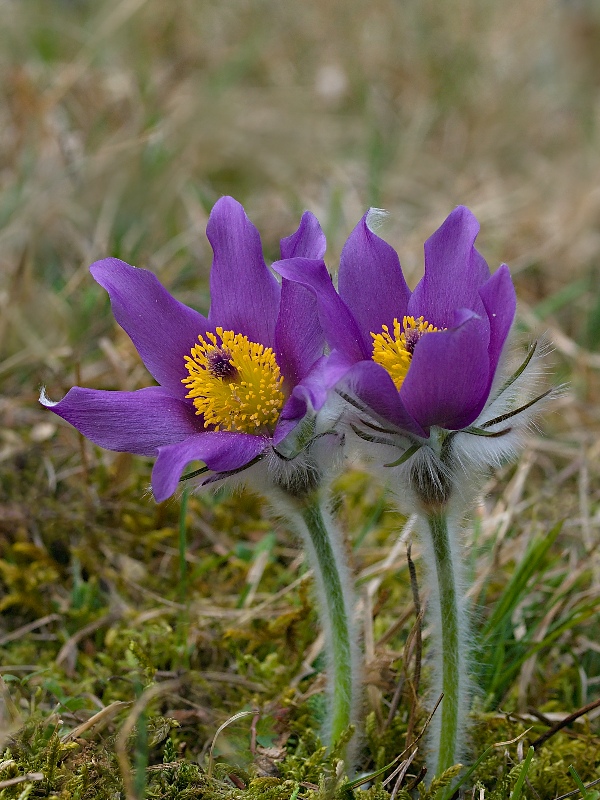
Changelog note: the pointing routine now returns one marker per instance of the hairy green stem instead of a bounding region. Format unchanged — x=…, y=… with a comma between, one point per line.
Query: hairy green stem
x=338, y=619
x=449, y=648
x=328, y=561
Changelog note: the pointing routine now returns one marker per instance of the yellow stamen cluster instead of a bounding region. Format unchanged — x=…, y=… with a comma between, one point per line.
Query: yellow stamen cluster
x=394, y=350
x=234, y=383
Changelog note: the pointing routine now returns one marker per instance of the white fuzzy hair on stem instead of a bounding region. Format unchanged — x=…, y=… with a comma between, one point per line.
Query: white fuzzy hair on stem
x=438, y=478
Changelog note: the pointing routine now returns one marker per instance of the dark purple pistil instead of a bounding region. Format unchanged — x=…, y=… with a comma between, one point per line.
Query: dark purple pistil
x=219, y=364
x=412, y=336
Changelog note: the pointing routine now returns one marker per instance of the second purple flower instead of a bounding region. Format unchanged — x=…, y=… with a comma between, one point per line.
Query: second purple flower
x=417, y=359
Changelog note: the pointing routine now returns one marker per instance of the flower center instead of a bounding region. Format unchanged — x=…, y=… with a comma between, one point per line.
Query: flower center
x=234, y=383
x=394, y=350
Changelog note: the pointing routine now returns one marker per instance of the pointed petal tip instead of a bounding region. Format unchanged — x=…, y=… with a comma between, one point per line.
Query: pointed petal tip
x=226, y=205
x=464, y=212
x=163, y=491
x=461, y=221
x=228, y=200
x=245, y=295
x=308, y=241
x=227, y=211
x=45, y=400
x=308, y=218
x=374, y=218
x=98, y=268
x=370, y=279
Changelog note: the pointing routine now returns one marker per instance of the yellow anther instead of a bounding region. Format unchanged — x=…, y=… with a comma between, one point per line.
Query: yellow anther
x=234, y=383
x=394, y=350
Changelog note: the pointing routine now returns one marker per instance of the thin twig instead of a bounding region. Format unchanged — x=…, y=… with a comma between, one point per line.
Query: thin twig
x=577, y=791
x=406, y=659
x=31, y=626
x=253, y=733
x=30, y=776
x=564, y=722
x=102, y=717
x=395, y=702
x=351, y=785
x=401, y=772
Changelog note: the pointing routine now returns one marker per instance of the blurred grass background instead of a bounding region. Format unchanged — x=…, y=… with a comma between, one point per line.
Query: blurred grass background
x=121, y=123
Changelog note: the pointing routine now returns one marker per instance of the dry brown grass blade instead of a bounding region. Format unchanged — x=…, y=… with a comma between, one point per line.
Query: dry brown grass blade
x=31, y=626
x=150, y=694
x=30, y=776
x=365, y=778
x=396, y=626
x=563, y=343
x=254, y=577
x=400, y=773
x=10, y=717
x=12, y=712
x=97, y=721
x=258, y=610
x=378, y=571
x=373, y=692
x=230, y=721
x=67, y=652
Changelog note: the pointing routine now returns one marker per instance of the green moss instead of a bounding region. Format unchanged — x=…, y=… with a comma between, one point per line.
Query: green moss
x=548, y=775
x=109, y=574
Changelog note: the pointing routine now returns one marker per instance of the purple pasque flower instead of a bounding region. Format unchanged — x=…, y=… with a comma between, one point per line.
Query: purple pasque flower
x=231, y=386
x=415, y=359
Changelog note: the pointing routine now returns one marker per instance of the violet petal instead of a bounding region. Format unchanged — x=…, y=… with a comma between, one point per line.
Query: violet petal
x=133, y=422
x=244, y=293
x=299, y=339
x=372, y=385
x=339, y=326
x=310, y=394
x=447, y=382
x=307, y=242
x=371, y=282
x=221, y=451
x=294, y=410
x=162, y=329
x=500, y=301
x=454, y=271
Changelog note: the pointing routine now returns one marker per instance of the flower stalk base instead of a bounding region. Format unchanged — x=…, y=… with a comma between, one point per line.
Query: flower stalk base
x=449, y=634
x=325, y=549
